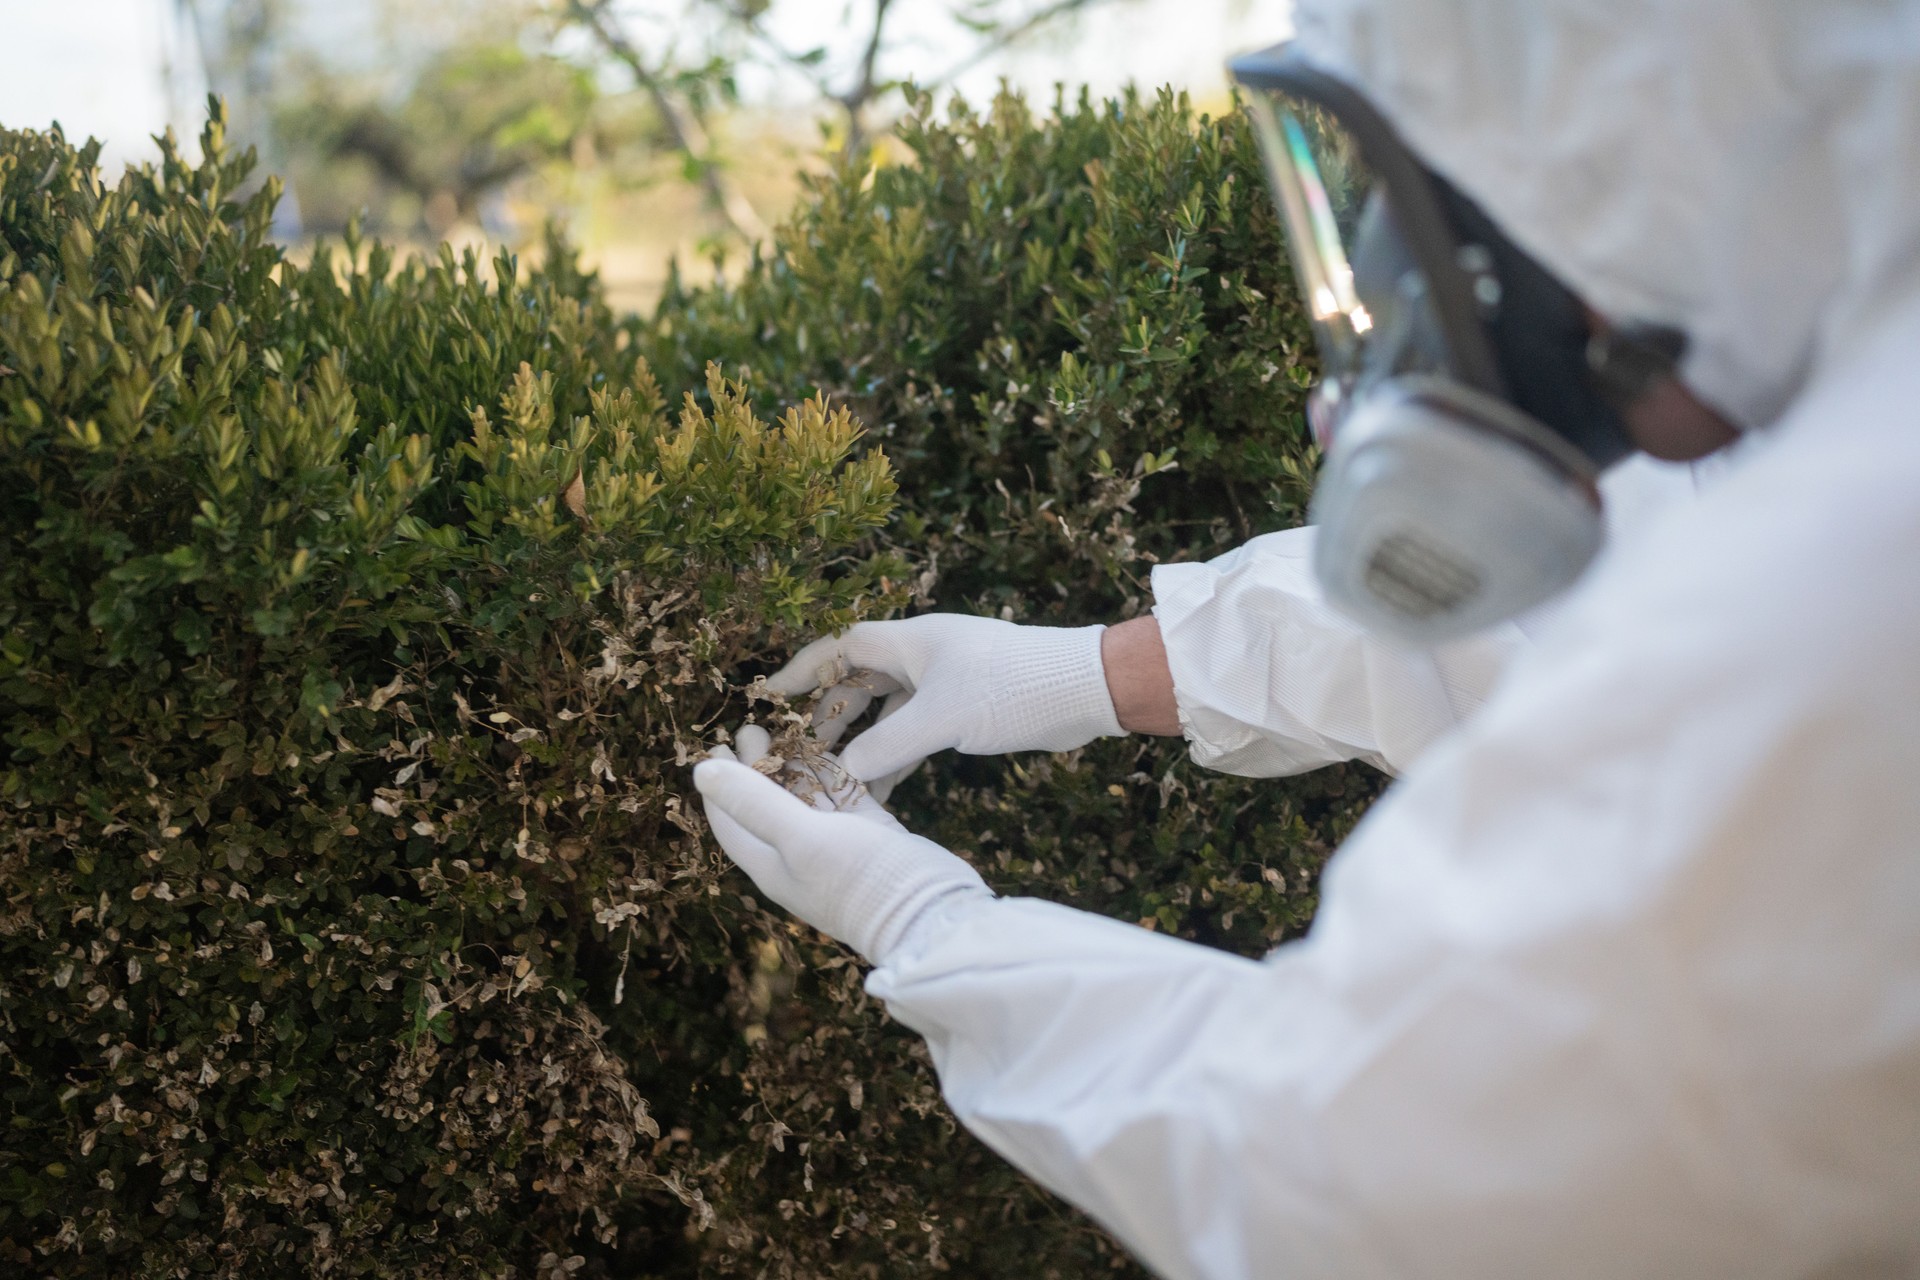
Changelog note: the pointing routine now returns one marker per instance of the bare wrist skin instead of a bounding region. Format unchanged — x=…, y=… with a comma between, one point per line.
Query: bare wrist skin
x=1138, y=678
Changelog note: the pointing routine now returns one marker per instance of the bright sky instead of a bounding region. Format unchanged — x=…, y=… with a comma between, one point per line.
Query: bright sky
x=119, y=70
x=1149, y=43
x=1144, y=42
x=124, y=69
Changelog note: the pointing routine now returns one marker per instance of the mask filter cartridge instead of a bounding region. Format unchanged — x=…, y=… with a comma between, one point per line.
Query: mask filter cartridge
x=1442, y=511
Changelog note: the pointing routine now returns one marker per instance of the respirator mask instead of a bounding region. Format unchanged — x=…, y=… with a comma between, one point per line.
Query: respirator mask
x=1466, y=406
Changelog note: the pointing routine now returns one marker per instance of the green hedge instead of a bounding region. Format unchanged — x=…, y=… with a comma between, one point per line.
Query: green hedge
x=1078, y=338
x=357, y=620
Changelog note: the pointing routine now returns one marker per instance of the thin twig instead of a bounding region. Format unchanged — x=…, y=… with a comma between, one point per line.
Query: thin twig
x=1008, y=36
x=855, y=99
x=689, y=137
x=852, y=101
x=807, y=64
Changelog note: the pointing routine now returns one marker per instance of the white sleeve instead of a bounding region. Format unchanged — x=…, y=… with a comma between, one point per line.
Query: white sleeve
x=1270, y=680
x=1622, y=980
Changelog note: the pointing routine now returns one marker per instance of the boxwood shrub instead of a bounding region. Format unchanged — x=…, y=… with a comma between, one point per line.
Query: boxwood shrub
x=1077, y=335
x=358, y=619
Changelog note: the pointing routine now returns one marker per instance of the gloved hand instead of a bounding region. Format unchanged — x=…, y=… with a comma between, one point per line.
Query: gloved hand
x=841, y=863
x=977, y=684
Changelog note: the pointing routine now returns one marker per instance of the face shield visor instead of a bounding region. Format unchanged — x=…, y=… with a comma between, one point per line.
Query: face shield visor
x=1371, y=301
x=1464, y=408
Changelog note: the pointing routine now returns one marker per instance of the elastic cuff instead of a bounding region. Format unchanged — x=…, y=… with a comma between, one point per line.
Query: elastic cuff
x=1179, y=590
x=922, y=918
x=1051, y=689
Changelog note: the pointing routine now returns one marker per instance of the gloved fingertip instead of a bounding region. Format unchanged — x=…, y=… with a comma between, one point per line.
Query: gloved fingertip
x=753, y=742
x=803, y=669
x=764, y=808
x=859, y=767
x=790, y=685
x=838, y=707
x=711, y=772
x=720, y=751
x=869, y=761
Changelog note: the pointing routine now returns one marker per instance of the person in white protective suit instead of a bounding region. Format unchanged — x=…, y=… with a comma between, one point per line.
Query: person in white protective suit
x=1622, y=975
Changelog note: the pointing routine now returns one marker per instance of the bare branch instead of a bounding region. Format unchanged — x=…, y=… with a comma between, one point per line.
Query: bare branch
x=855, y=99
x=685, y=129
x=1007, y=36
x=804, y=63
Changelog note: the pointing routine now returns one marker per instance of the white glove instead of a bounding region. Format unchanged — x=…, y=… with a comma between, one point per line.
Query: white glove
x=841, y=863
x=977, y=684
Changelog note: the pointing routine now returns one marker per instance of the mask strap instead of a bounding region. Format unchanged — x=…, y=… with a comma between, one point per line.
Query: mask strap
x=1627, y=361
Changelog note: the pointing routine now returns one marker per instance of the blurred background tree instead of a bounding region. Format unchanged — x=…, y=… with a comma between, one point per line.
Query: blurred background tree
x=477, y=119
x=650, y=128
x=418, y=118
x=431, y=119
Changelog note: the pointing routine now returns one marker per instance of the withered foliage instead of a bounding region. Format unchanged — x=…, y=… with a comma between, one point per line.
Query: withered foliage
x=1077, y=337
x=356, y=626
x=358, y=621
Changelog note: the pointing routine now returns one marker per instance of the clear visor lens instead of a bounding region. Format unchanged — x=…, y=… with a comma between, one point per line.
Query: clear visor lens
x=1367, y=298
x=1321, y=185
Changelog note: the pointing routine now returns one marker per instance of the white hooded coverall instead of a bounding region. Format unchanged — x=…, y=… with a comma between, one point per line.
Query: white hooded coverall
x=1622, y=976
x=1271, y=680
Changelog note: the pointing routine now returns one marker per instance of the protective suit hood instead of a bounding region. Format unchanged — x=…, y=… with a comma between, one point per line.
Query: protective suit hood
x=1745, y=170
